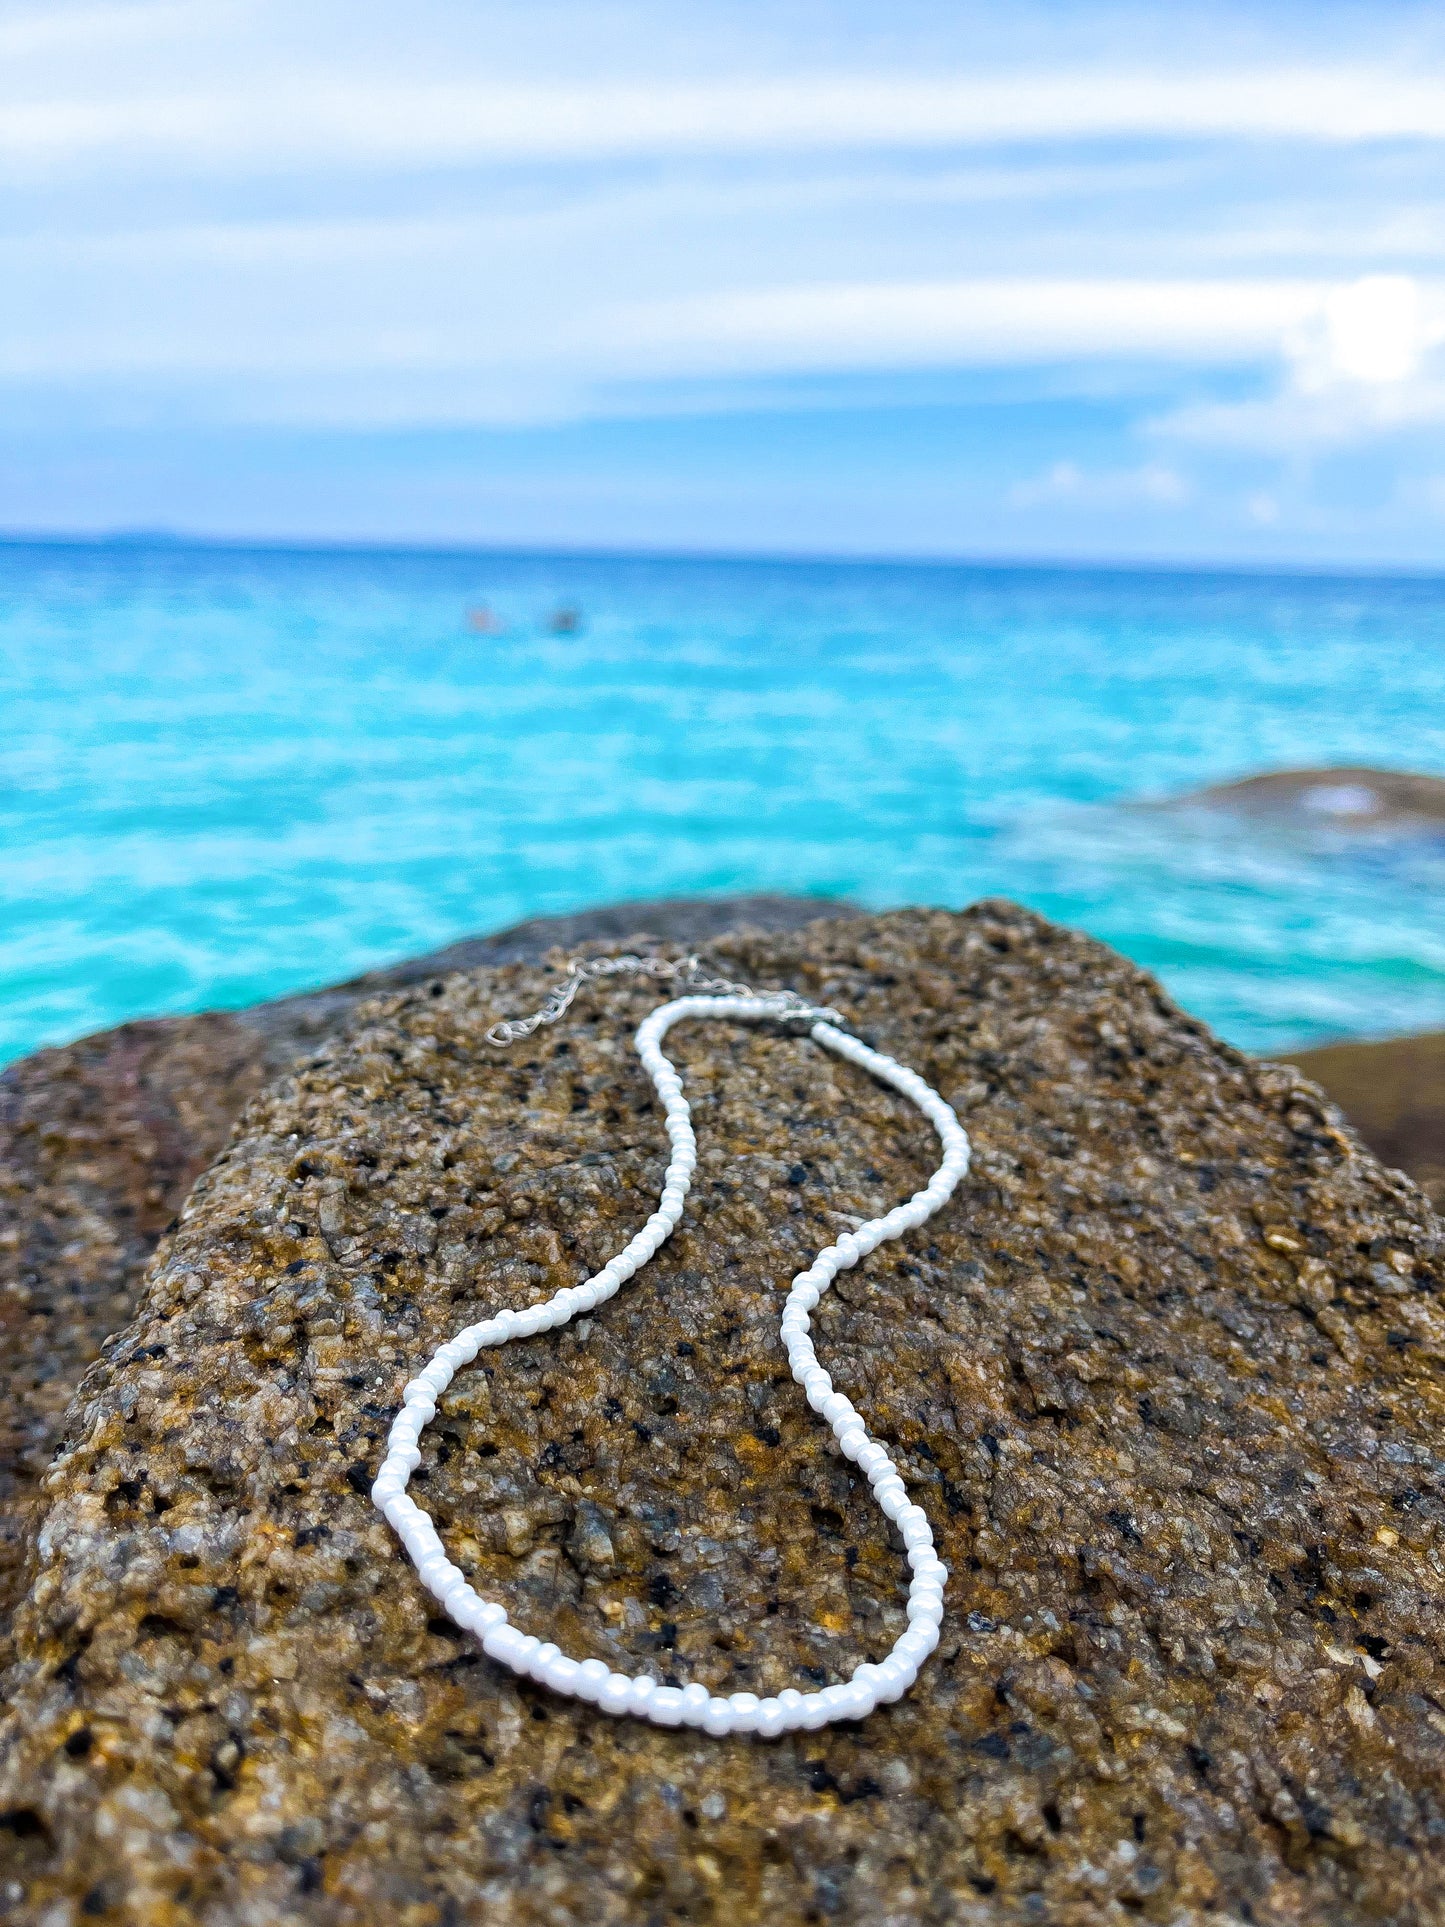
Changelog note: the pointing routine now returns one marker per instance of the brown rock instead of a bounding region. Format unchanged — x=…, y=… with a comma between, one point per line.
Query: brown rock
x=1352, y=797
x=1166, y=1375
x=100, y=1142
x=1393, y=1092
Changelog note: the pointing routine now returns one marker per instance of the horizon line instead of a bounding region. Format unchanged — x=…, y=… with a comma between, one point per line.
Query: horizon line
x=140, y=539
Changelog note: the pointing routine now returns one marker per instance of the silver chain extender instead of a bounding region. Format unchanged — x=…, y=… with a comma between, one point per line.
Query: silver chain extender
x=688, y=970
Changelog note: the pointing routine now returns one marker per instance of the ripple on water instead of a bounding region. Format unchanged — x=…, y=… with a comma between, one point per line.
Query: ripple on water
x=228, y=773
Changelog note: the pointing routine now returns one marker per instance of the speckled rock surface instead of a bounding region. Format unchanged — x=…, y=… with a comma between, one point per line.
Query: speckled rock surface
x=1166, y=1375
x=99, y=1144
x=101, y=1140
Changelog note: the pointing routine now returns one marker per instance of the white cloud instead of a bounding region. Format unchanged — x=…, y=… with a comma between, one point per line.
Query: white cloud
x=863, y=324
x=1295, y=421
x=1152, y=485
x=1374, y=331
x=1368, y=362
x=262, y=123
x=72, y=31
x=474, y=293
x=459, y=302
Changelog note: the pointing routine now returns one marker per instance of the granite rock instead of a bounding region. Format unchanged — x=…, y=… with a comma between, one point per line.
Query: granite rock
x=101, y=1140
x=1166, y=1375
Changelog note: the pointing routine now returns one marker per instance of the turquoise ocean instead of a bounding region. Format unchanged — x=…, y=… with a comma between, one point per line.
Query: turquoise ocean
x=228, y=773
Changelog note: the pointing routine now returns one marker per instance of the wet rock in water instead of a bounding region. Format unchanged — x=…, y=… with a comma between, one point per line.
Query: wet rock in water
x=1343, y=799
x=1166, y=1375
x=101, y=1140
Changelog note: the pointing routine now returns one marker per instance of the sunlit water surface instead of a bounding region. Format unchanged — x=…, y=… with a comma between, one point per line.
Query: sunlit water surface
x=225, y=774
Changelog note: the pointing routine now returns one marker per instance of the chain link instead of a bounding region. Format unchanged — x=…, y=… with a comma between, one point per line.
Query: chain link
x=689, y=971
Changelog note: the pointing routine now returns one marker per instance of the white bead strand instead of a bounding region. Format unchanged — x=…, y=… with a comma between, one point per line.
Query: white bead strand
x=590, y=1679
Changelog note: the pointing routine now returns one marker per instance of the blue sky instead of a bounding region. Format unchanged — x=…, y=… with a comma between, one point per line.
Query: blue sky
x=1055, y=281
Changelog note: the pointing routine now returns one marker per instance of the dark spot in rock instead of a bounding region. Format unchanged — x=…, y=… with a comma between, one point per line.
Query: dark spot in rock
x=68, y=1671
x=865, y=1787
x=160, y=1626
x=25, y=1824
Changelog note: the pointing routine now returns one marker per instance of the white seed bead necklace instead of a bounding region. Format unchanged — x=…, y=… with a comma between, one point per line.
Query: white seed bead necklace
x=591, y=1679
